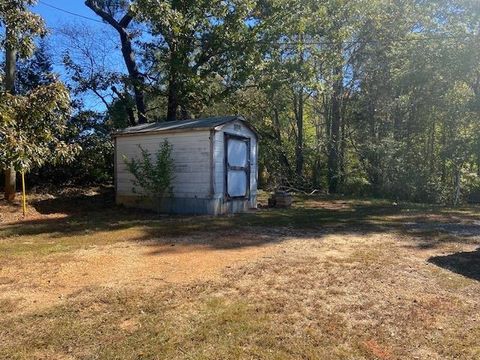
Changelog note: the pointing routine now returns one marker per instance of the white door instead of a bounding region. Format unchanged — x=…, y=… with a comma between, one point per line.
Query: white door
x=237, y=166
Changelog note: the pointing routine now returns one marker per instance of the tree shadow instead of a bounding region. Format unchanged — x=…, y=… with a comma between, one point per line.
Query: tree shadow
x=76, y=203
x=463, y=263
x=81, y=214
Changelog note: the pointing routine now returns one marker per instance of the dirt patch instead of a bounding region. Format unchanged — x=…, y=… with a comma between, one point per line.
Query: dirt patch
x=149, y=264
x=328, y=205
x=376, y=350
x=129, y=325
x=12, y=212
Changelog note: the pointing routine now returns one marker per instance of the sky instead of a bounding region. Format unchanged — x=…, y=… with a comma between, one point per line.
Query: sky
x=55, y=17
x=63, y=13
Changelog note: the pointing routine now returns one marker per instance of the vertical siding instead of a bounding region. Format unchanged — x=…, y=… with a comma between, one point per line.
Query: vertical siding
x=219, y=150
x=191, y=158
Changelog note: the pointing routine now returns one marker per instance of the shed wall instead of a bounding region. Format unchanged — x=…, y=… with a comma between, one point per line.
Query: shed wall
x=190, y=155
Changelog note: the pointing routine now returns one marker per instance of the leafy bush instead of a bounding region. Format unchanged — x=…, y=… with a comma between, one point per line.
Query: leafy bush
x=152, y=177
x=355, y=186
x=93, y=165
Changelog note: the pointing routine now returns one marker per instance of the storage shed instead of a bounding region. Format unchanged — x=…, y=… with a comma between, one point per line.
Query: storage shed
x=215, y=165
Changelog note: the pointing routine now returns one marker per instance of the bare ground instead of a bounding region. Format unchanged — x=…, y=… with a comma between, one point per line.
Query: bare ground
x=53, y=279
x=328, y=279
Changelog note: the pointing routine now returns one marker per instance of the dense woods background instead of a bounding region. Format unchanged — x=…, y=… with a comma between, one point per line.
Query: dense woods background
x=362, y=97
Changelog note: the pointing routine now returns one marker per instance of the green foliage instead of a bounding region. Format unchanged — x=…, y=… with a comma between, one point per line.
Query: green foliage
x=32, y=123
x=15, y=14
x=31, y=127
x=118, y=112
x=35, y=71
x=152, y=177
x=92, y=165
x=202, y=50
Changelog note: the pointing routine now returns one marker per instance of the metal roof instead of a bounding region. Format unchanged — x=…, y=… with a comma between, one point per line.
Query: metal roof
x=180, y=125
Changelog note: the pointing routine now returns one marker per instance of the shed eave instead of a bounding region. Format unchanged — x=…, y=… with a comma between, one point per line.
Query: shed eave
x=244, y=122
x=156, y=132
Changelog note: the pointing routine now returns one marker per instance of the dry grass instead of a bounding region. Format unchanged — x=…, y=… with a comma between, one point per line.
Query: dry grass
x=328, y=279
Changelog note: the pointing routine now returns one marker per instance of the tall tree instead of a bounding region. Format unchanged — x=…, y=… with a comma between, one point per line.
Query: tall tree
x=31, y=124
x=10, y=74
x=202, y=50
x=117, y=13
x=21, y=26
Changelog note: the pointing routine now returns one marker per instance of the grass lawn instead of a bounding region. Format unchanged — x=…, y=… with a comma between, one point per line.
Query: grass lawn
x=326, y=279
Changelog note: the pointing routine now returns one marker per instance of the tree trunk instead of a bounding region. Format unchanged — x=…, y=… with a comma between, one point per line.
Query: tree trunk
x=282, y=158
x=335, y=125
x=299, y=159
x=172, y=106
x=10, y=74
x=431, y=148
x=443, y=163
x=10, y=184
x=457, y=182
x=318, y=163
x=134, y=74
x=478, y=163
x=173, y=103
x=343, y=144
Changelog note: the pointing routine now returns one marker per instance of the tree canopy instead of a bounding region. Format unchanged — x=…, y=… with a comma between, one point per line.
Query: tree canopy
x=366, y=97
x=30, y=123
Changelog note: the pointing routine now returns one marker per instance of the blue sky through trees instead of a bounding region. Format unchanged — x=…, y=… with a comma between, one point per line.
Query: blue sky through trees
x=74, y=15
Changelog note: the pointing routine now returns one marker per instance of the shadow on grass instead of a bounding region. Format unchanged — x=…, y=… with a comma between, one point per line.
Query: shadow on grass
x=463, y=263
x=90, y=215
